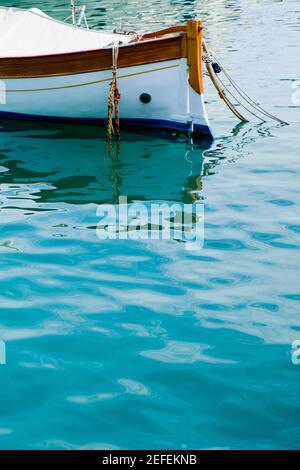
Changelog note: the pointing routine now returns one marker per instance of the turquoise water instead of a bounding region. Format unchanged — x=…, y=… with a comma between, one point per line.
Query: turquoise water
x=144, y=344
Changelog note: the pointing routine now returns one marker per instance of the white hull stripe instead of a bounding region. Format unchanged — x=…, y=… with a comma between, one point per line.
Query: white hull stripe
x=87, y=83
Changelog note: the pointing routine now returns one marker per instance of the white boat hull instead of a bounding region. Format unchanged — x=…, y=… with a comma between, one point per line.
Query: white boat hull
x=83, y=97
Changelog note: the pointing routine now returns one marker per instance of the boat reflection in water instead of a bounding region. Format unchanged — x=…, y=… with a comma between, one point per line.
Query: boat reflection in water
x=67, y=169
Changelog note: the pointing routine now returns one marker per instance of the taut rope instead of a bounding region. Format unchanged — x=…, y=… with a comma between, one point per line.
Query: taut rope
x=114, y=98
x=214, y=68
x=217, y=85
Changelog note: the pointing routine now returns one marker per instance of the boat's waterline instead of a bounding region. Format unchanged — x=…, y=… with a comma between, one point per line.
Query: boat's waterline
x=157, y=124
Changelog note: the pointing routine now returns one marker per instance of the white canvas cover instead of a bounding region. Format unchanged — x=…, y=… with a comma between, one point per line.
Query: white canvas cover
x=32, y=32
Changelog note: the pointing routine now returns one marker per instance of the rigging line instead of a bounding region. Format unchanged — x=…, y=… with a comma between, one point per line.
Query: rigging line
x=246, y=97
x=241, y=104
x=256, y=106
x=217, y=84
x=249, y=100
x=250, y=104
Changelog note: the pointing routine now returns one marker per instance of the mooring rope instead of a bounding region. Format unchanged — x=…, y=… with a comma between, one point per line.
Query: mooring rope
x=246, y=97
x=208, y=58
x=239, y=102
x=217, y=84
x=114, y=98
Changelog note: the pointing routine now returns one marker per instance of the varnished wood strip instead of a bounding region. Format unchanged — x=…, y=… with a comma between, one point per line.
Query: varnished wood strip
x=140, y=53
x=163, y=32
x=194, y=54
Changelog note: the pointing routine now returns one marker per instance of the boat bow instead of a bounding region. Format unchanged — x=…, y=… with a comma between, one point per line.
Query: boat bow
x=73, y=84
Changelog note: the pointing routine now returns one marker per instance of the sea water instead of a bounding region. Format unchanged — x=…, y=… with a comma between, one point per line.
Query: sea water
x=127, y=344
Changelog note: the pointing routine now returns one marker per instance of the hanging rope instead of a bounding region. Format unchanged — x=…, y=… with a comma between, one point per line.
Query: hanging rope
x=113, y=99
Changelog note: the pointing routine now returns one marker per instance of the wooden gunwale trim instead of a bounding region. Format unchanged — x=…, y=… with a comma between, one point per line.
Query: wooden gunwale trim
x=159, y=49
x=173, y=29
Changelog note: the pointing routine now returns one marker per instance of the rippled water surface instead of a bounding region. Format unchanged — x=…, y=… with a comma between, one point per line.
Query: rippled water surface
x=131, y=344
